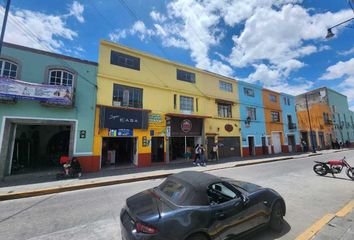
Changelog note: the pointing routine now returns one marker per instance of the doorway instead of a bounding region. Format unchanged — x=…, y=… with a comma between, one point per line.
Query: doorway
x=180, y=145
x=157, y=149
x=264, y=145
x=291, y=143
x=210, y=144
x=322, y=140
x=251, y=149
x=118, y=151
x=276, y=142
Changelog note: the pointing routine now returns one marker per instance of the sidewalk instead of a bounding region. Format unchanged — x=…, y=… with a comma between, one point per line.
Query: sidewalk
x=15, y=187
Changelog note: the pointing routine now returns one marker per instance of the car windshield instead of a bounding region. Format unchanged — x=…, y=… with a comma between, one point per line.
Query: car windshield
x=173, y=190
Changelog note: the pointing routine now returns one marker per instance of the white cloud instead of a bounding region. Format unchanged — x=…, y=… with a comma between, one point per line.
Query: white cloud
x=344, y=71
x=158, y=17
x=37, y=30
x=76, y=9
x=272, y=36
x=347, y=52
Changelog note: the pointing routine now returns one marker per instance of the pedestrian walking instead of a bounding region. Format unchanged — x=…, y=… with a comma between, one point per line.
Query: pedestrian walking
x=214, y=152
x=201, y=151
x=196, y=154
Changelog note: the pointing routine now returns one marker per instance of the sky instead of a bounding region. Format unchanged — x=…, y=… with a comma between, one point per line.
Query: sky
x=278, y=44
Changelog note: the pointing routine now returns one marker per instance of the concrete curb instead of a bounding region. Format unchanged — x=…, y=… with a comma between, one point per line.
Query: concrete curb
x=317, y=226
x=59, y=189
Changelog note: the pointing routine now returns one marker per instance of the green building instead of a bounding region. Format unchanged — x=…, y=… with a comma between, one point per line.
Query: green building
x=47, y=109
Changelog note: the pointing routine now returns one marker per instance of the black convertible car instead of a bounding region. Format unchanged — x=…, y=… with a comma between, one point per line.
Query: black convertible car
x=199, y=206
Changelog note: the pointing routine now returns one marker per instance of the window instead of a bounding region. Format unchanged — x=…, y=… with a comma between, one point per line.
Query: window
x=173, y=190
x=186, y=104
x=275, y=116
x=196, y=104
x=251, y=112
x=61, y=77
x=272, y=98
x=8, y=69
x=127, y=96
x=174, y=101
x=224, y=110
x=248, y=92
x=219, y=193
x=326, y=118
x=225, y=86
x=351, y=119
x=124, y=60
x=286, y=101
x=333, y=108
x=185, y=76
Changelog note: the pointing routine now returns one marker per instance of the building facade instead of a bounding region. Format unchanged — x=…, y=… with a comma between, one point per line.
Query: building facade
x=152, y=111
x=329, y=115
x=343, y=122
x=274, y=120
x=47, y=106
x=291, y=134
x=253, y=130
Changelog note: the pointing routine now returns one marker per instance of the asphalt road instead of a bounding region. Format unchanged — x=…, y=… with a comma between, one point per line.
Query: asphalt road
x=93, y=214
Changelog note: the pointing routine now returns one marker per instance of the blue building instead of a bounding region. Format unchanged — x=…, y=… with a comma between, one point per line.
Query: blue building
x=253, y=131
x=291, y=135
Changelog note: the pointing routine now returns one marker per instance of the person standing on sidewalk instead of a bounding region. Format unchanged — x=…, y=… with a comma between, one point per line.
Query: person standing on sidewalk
x=214, y=152
x=201, y=156
x=196, y=154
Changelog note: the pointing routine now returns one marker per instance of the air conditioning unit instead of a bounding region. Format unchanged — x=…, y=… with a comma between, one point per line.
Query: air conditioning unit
x=117, y=104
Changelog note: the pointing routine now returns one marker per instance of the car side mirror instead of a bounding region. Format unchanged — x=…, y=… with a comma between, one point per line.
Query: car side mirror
x=245, y=199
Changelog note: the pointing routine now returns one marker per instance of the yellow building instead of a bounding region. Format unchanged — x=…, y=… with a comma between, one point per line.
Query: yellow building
x=148, y=106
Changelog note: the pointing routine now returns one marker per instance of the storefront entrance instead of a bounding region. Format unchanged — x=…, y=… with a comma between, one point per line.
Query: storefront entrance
x=157, y=149
x=183, y=147
x=35, y=144
x=118, y=151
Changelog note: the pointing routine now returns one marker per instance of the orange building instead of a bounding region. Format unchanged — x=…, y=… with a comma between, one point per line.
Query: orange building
x=320, y=115
x=273, y=121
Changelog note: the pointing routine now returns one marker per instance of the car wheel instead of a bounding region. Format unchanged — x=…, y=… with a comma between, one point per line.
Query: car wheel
x=276, y=222
x=197, y=236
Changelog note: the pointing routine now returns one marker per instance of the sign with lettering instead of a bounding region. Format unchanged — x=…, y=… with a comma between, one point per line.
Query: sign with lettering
x=120, y=132
x=10, y=88
x=117, y=118
x=181, y=127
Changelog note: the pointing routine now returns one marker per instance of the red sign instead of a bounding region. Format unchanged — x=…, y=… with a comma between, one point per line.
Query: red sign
x=229, y=127
x=186, y=125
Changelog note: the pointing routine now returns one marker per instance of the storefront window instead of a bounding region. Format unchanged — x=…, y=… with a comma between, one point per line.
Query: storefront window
x=124, y=96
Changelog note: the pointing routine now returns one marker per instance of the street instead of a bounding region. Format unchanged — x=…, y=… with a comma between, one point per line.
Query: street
x=94, y=213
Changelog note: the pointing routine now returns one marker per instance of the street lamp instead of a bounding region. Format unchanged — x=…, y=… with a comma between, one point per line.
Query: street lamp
x=330, y=34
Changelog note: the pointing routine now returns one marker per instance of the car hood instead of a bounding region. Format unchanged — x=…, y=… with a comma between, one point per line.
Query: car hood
x=144, y=206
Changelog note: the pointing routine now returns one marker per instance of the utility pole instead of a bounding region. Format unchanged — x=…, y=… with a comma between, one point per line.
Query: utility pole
x=4, y=24
x=311, y=135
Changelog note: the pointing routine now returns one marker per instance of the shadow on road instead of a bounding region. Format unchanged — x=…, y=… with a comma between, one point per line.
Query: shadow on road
x=267, y=234
x=338, y=178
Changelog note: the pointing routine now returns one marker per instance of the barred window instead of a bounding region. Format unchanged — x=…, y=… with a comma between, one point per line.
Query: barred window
x=248, y=92
x=275, y=116
x=186, y=103
x=224, y=110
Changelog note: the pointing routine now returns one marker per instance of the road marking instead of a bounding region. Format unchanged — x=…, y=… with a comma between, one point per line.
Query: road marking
x=346, y=209
x=317, y=226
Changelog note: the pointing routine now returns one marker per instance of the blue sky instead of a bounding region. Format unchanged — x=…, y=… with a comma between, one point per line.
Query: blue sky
x=279, y=44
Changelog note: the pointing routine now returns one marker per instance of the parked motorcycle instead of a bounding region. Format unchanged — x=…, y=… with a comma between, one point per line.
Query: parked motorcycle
x=333, y=167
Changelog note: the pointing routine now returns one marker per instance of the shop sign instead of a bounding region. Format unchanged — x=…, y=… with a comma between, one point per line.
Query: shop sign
x=155, y=118
x=186, y=125
x=10, y=88
x=120, y=132
x=152, y=132
x=116, y=118
x=181, y=127
x=229, y=127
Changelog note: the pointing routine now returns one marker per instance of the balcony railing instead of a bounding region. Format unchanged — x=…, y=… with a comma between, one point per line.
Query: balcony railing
x=292, y=126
